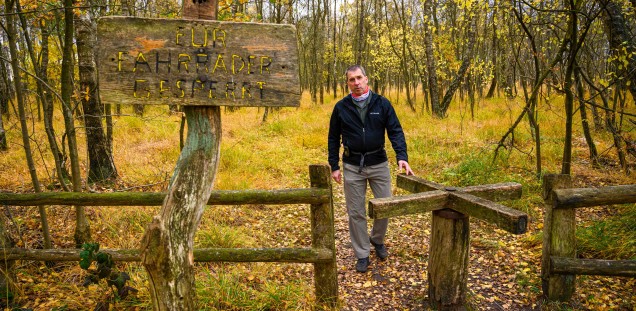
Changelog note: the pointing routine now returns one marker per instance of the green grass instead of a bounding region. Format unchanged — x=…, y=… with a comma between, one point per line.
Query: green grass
x=247, y=287
x=612, y=237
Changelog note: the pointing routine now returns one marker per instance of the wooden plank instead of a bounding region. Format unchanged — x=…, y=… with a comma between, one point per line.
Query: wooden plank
x=296, y=255
x=493, y=192
x=218, y=197
x=566, y=265
x=414, y=184
x=506, y=218
x=585, y=197
x=407, y=204
x=197, y=62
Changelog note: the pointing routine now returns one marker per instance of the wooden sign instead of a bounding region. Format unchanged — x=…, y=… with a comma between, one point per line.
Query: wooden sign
x=197, y=62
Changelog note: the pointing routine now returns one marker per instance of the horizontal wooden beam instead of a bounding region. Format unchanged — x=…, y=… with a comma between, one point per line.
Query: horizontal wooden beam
x=218, y=197
x=407, y=204
x=506, y=218
x=586, y=197
x=565, y=265
x=414, y=184
x=294, y=255
x=493, y=192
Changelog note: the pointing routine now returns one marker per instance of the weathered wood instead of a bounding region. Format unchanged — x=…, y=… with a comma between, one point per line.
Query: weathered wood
x=558, y=240
x=218, y=197
x=293, y=255
x=565, y=265
x=7, y=275
x=584, y=197
x=448, y=260
x=197, y=62
x=167, y=245
x=492, y=192
x=407, y=204
x=506, y=218
x=323, y=236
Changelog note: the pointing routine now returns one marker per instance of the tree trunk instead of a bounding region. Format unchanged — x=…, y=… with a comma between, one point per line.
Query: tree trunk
x=471, y=34
x=431, y=63
x=47, y=109
x=584, y=119
x=101, y=165
x=167, y=246
x=618, y=34
x=82, y=228
x=3, y=135
x=571, y=36
x=17, y=79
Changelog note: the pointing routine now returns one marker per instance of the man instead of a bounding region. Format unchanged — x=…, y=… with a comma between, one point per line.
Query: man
x=359, y=122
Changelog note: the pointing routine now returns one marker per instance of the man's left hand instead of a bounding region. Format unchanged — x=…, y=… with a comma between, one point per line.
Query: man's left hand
x=405, y=165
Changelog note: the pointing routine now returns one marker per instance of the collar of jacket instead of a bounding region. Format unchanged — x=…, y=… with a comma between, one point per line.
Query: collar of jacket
x=373, y=98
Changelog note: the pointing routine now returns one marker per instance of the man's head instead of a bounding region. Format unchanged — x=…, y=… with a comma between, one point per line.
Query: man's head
x=357, y=80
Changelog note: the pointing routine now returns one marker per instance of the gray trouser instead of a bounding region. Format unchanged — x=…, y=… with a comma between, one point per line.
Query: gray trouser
x=355, y=188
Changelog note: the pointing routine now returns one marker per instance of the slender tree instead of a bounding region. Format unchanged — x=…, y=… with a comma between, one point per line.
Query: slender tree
x=101, y=166
x=9, y=7
x=82, y=228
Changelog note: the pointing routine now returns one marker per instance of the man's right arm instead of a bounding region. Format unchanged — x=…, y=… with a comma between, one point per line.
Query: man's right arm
x=333, y=141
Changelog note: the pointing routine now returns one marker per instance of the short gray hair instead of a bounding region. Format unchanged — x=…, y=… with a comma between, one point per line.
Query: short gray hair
x=354, y=68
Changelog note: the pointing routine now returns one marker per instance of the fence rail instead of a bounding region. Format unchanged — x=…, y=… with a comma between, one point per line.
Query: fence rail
x=218, y=197
x=322, y=253
x=559, y=264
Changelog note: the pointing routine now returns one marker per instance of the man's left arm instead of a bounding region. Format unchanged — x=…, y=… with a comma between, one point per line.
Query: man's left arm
x=398, y=141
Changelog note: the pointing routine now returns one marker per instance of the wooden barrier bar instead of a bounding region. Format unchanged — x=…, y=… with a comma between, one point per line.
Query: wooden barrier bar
x=566, y=265
x=585, y=197
x=293, y=255
x=218, y=197
x=493, y=192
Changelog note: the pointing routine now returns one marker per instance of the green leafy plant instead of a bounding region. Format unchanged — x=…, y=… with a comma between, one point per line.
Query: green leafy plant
x=104, y=270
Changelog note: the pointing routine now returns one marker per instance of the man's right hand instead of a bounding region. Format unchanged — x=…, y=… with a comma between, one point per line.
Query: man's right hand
x=337, y=176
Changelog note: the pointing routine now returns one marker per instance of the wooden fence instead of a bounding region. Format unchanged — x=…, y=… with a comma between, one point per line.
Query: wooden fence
x=322, y=253
x=559, y=263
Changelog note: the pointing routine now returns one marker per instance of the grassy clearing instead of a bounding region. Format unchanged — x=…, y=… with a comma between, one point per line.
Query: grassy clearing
x=455, y=151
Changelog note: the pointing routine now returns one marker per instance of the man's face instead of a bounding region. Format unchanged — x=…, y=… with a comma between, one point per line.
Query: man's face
x=357, y=82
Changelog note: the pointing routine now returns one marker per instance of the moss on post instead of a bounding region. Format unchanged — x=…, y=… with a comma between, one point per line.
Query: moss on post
x=448, y=263
x=323, y=236
x=558, y=240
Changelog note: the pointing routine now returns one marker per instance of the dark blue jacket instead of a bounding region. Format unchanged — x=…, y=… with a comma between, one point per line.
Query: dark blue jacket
x=345, y=123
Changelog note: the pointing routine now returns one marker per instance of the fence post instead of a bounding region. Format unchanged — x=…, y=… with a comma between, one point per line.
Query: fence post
x=7, y=281
x=448, y=259
x=559, y=239
x=323, y=236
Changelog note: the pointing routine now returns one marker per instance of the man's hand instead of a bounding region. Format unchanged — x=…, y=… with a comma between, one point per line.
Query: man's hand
x=337, y=176
x=402, y=165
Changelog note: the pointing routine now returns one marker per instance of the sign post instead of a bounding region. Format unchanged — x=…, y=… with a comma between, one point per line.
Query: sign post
x=200, y=65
